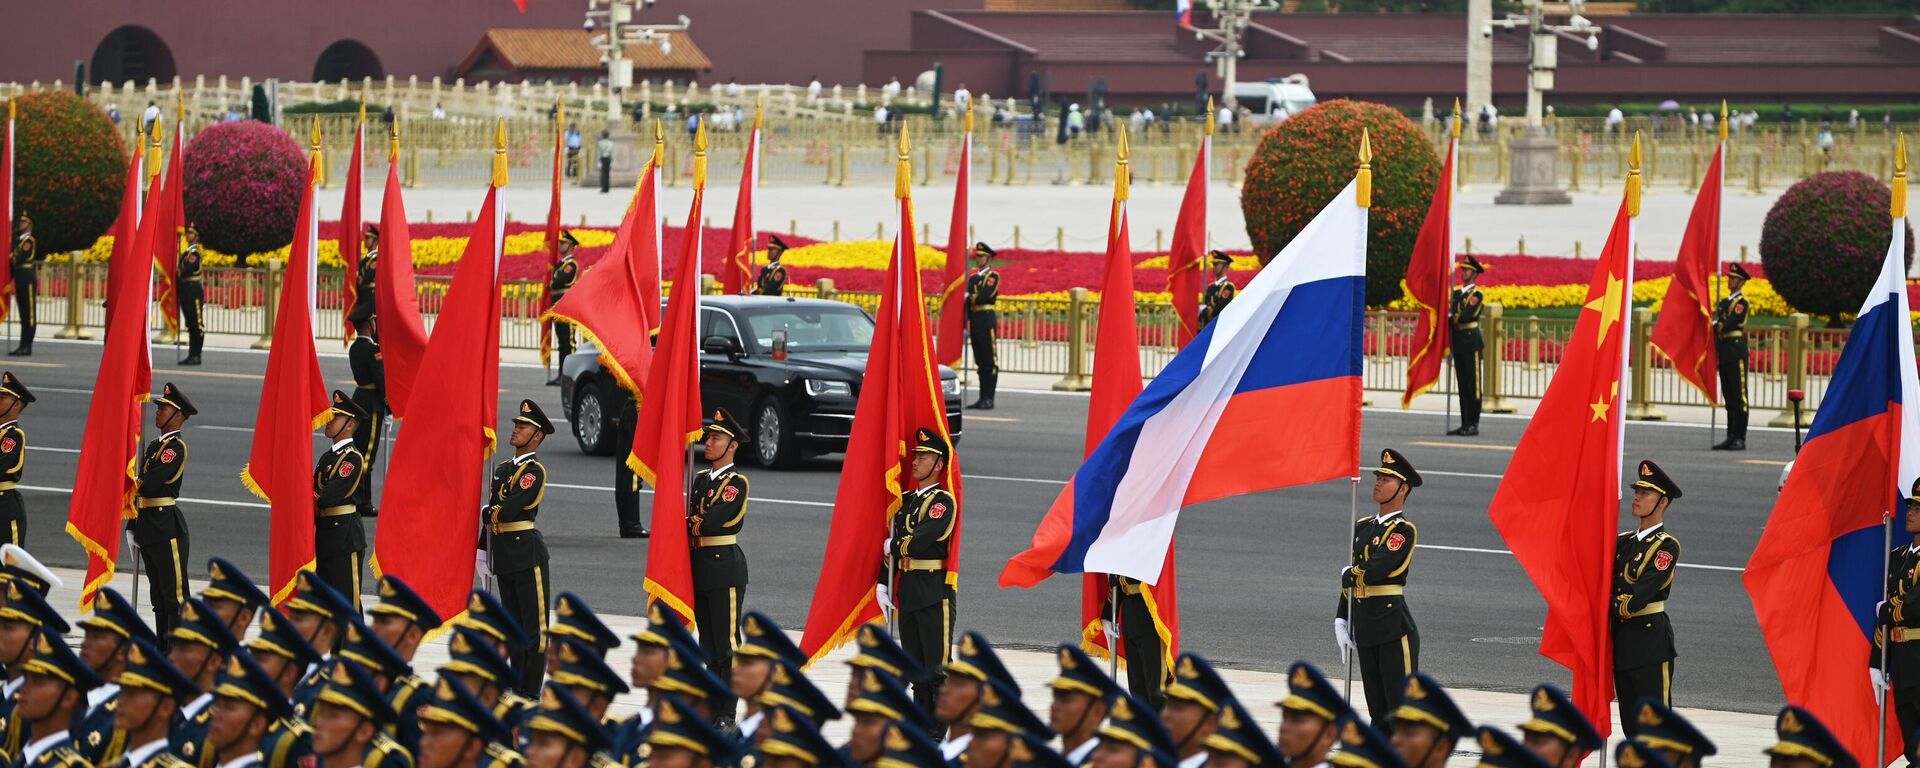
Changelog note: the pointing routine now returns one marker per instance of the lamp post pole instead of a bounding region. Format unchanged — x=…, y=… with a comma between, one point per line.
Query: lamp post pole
x=1534, y=169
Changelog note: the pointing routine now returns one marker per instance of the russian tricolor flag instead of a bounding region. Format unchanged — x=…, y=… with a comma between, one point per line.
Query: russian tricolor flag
x=1817, y=573
x=1183, y=10
x=1268, y=396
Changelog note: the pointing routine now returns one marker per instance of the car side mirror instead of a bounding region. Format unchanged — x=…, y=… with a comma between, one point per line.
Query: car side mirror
x=721, y=345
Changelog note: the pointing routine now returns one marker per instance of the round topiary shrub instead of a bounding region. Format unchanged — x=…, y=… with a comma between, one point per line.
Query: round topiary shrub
x=243, y=184
x=1306, y=160
x=70, y=170
x=1824, y=240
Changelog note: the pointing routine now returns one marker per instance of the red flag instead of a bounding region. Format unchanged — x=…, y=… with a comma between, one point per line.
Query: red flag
x=403, y=333
x=1429, y=282
x=736, y=273
x=616, y=304
x=553, y=237
x=899, y=394
x=953, y=293
x=670, y=420
x=103, y=485
x=166, y=240
x=437, y=474
x=350, y=229
x=1186, y=262
x=293, y=402
x=1116, y=382
x=6, y=207
x=1557, y=505
x=1684, y=330
x=520, y=4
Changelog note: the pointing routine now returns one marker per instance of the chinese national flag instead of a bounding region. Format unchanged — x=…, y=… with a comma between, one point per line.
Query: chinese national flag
x=1429, y=274
x=1684, y=331
x=899, y=394
x=1558, y=502
x=670, y=419
x=553, y=236
x=403, y=333
x=103, y=486
x=6, y=207
x=953, y=292
x=1186, y=260
x=736, y=273
x=166, y=238
x=293, y=402
x=349, y=235
x=616, y=304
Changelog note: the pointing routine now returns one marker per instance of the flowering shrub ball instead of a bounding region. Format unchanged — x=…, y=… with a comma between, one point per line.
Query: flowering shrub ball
x=243, y=186
x=71, y=168
x=1824, y=240
x=1306, y=160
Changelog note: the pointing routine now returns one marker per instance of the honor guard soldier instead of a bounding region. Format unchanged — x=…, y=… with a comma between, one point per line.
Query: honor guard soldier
x=1427, y=725
x=1730, y=346
x=514, y=545
x=880, y=703
x=565, y=273
x=772, y=279
x=964, y=693
x=983, y=321
x=763, y=645
x=1644, y=563
x=563, y=734
x=585, y=676
x=54, y=695
x=200, y=647
x=1372, y=621
x=795, y=742
x=914, y=582
x=1081, y=696
x=369, y=392
x=471, y=660
x=1133, y=735
x=681, y=738
x=159, y=529
x=107, y=634
x=14, y=397
x=1239, y=742
x=1805, y=742
x=1218, y=293
x=458, y=731
x=1895, y=666
x=502, y=632
x=996, y=725
x=232, y=596
x=1133, y=624
x=1498, y=750
x=348, y=718
x=690, y=680
x=789, y=687
x=25, y=262
x=152, y=692
x=1192, y=713
x=402, y=620
x=364, y=281
x=717, y=513
x=1558, y=732
x=572, y=617
x=1664, y=730
x=190, y=294
x=1467, y=343
x=25, y=617
x=338, y=539
x=879, y=655
x=1310, y=716
x=1634, y=753
x=1362, y=746
x=904, y=746
x=16, y=564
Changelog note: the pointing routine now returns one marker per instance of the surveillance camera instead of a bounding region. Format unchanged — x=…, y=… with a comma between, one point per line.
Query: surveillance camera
x=646, y=34
x=1579, y=22
x=1593, y=42
x=1577, y=6
x=1197, y=36
x=1486, y=30
x=649, y=3
x=588, y=26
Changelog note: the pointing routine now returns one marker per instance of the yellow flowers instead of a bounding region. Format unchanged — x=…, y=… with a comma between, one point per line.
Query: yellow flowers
x=1244, y=263
x=855, y=254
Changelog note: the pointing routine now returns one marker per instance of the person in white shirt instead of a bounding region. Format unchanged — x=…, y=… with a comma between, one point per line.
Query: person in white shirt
x=733, y=88
x=1224, y=118
x=813, y=89
x=151, y=114
x=892, y=89
x=54, y=694
x=246, y=703
x=1615, y=118
x=439, y=112
x=962, y=98
x=152, y=690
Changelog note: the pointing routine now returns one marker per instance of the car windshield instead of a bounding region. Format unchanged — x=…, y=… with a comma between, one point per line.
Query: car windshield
x=813, y=328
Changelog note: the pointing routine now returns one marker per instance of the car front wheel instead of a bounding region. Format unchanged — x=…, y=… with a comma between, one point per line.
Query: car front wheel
x=772, y=435
x=591, y=420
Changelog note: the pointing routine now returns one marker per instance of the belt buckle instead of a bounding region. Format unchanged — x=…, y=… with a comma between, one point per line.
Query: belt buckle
x=1899, y=634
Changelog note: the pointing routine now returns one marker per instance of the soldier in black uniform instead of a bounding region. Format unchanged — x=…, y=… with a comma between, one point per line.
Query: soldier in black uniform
x=339, y=542
x=623, y=422
x=983, y=290
x=772, y=279
x=25, y=262
x=914, y=585
x=363, y=281
x=1467, y=343
x=14, y=397
x=1139, y=636
x=516, y=550
x=1218, y=293
x=160, y=530
x=561, y=278
x=189, y=293
x=1372, y=620
x=1895, y=661
x=369, y=393
x=1730, y=345
x=1644, y=563
x=715, y=515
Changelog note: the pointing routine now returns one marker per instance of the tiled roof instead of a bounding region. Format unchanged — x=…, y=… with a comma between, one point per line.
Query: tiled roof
x=572, y=49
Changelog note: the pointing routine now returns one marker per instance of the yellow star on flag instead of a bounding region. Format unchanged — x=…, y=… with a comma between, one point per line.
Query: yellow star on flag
x=1609, y=307
x=1600, y=406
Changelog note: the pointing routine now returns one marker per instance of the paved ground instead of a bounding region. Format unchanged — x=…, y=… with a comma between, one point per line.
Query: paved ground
x=1082, y=211
x=1255, y=571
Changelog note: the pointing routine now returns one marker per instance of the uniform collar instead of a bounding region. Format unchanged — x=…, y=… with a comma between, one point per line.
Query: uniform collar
x=524, y=458
x=139, y=754
x=194, y=707
x=12, y=687
x=718, y=471
x=40, y=746
x=1388, y=516
x=1913, y=548
x=1196, y=761
x=163, y=436
x=1080, y=753
x=9, y=424
x=928, y=488
x=100, y=694
x=751, y=723
x=1642, y=535
x=342, y=443
x=249, y=758
x=953, y=748
x=372, y=253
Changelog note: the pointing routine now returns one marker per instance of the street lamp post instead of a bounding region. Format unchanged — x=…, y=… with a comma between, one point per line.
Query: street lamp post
x=614, y=19
x=1534, y=170
x=1231, y=18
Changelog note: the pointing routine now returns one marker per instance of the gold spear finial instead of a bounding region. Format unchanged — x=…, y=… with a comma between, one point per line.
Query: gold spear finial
x=969, y=116
x=317, y=156
x=1723, y=121
x=759, y=109
x=1633, y=177
x=1122, y=178
x=1210, y=114
x=1456, y=120
x=180, y=107
x=903, y=170
x=153, y=150
x=11, y=109
x=499, y=152
x=1363, y=181
x=363, y=105
x=700, y=156
x=559, y=114
x=1900, y=177
x=393, y=142
x=659, y=144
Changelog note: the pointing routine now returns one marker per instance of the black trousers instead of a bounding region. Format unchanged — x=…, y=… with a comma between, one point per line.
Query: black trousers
x=1383, y=673
x=191, y=298
x=13, y=518
x=1466, y=374
x=525, y=594
x=981, y=326
x=339, y=546
x=562, y=342
x=1733, y=386
x=716, y=612
x=927, y=636
x=626, y=482
x=161, y=533
x=1146, y=670
x=1906, y=709
x=367, y=433
x=606, y=174
x=26, y=283
x=1633, y=684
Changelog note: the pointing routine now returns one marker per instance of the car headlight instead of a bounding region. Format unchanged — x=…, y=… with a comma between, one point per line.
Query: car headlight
x=820, y=387
x=951, y=387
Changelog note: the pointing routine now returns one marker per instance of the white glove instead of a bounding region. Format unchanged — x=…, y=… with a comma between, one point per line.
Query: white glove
x=1343, y=637
x=886, y=546
x=1879, y=679
x=1112, y=629
x=480, y=563
x=883, y=596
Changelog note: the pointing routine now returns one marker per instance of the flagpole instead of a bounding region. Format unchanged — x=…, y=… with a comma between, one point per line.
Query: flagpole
x=1713, y=282
x=1113, y=638
x=1363, y=180
x=1626, y=382
x=1446, y=360
x=1899, y=215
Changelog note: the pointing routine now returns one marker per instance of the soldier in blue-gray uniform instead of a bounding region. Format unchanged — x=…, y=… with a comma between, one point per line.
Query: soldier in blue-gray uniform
x=152, y=691
x=202, y=644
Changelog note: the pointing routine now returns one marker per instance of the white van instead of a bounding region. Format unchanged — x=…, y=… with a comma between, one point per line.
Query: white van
x=1276, y=99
